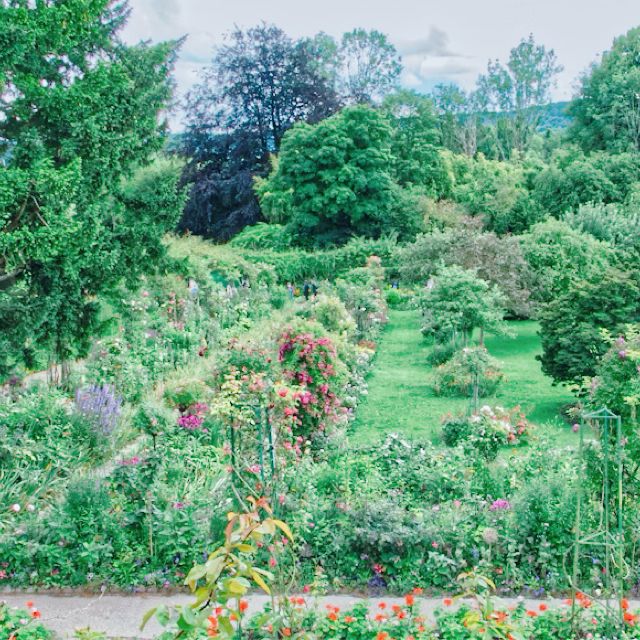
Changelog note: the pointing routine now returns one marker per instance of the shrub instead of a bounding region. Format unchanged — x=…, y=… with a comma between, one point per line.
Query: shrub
x=487, y=430
x=442, y=352
x=457, y=377
x=398, y=299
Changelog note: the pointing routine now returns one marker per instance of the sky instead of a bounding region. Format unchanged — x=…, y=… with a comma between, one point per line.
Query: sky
x=439, y=40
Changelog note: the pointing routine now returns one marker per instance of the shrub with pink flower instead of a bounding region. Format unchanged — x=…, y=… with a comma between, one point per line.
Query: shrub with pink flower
x=309, y=362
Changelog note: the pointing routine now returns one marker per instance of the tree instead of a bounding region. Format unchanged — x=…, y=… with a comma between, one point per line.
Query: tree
x=333, y=180
x=460, y=302
x=78, y=112
x=607, y=111
x=571, y=324
x=371, y=66
x=498, y=261
x=415, y=143
x=459, y=118
x=259, y=83
x=516, y=91
x=561, y=256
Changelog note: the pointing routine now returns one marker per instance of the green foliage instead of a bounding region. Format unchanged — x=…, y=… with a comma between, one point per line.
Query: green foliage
x=460, y=302
x=272, y=237
x=460, y=374
x=515, y=90
x=561, y=256
x=617, y=380
x=607, y=111
x=333, y=180
x=415, y=143
x=371, y=65
x=80, y=112
x=21, y=624
x=498, y=261
x=571, y=324
x=619, y=225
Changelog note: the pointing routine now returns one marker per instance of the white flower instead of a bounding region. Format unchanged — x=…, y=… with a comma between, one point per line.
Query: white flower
x=30, y=508
x=15, y=507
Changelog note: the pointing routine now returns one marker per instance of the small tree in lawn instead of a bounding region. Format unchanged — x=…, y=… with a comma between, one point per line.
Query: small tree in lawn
x=459, y=303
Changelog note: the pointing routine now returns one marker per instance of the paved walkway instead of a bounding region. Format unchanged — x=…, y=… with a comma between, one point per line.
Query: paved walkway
x=119, y=616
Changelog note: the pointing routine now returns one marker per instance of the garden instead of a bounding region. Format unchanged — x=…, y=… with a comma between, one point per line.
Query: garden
x=397, y=364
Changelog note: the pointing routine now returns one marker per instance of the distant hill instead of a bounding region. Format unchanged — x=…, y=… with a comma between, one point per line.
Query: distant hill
x=554, y=116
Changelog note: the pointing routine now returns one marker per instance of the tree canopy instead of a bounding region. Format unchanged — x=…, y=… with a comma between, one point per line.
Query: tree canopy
x=607, y=110
x=79, y=110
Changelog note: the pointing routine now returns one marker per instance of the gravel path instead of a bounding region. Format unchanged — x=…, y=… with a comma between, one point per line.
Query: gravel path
x=119, y=616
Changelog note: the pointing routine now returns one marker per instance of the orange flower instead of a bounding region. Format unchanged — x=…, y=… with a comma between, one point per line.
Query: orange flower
x=409, y=599
x=332, y=615
x=286, y=632
x=349, y=619
x=35, y=614
x=421, y=628
x=243, y=606
x=417, y=591
x=624, y=604
x=542, y=606
x=233, y=617
x=30, y=604
x=380, y=617
x=447, y=602
x=300, y=601
x=396, y=608
x=212, y=633
x=382, y=635
x=382, y=605
x=500, y=616
x=532, y=614
x=629, y=617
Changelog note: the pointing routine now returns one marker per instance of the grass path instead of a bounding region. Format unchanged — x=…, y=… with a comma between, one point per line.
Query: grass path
x=400, y=398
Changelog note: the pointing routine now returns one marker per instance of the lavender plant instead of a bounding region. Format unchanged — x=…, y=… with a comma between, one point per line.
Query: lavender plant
x=101, y=406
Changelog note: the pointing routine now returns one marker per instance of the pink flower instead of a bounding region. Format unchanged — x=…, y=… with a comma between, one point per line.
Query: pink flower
x=283, y=393
x=500, y=505
x=254, y=468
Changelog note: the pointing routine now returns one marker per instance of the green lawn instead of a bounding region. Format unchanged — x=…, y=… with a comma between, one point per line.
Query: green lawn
x=400, y=398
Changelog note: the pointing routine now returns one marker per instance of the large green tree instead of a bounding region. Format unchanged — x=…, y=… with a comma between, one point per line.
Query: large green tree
x=334, y=179
x=571, y=324
x=516, y=91
x=415, y=143
x=607, y=110
x=79, y=110
x=371, y=65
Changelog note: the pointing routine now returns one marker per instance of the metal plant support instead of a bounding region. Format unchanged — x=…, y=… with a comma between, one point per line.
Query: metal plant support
x=603, y=540
x=255, y=445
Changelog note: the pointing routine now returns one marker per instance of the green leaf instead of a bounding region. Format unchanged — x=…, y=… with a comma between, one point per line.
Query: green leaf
x=147, y=616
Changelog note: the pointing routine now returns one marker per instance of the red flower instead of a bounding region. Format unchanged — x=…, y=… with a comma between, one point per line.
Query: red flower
x=447, y=602
x=35, y=614
x=349, y=619
x=532, y=614
x=409, y=599
x=542, y=606
x=624, y=604
x=286, y=632
x=30, y=604
x=243, y=606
